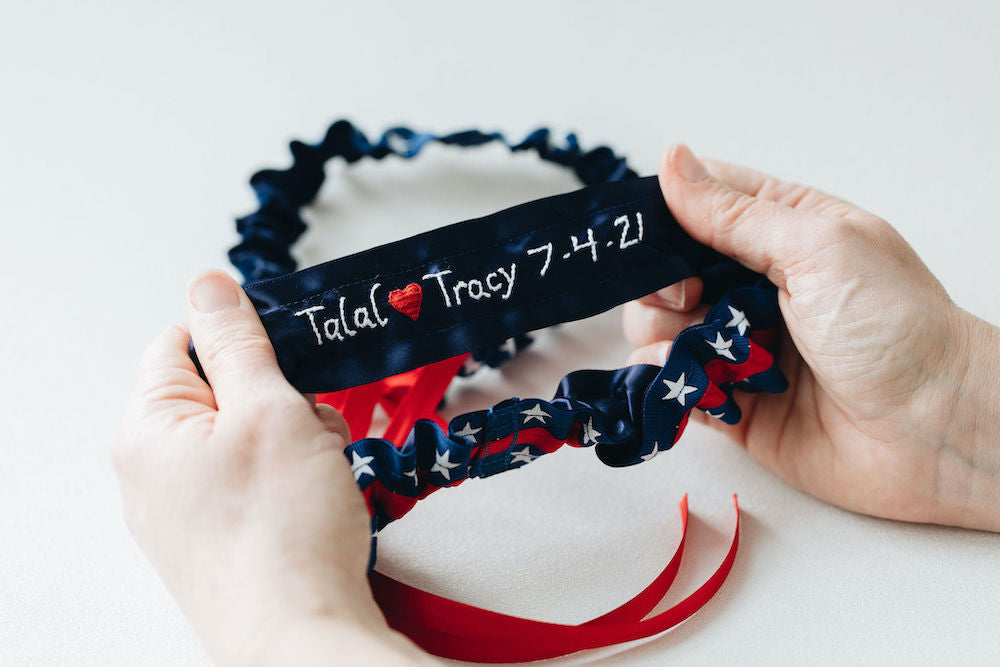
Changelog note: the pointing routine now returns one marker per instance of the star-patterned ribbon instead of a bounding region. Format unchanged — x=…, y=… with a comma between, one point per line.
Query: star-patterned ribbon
x=628, y=415
x=392, y=326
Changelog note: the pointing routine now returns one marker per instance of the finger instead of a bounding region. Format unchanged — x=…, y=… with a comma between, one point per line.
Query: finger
x=644, y=324
x=333, y=421
x=681, y=296
x=310, y=398
x=231, y=342
x=168, y=350
x=793, y=195
x=654, y=354
x=166, y=372
x=763, y=235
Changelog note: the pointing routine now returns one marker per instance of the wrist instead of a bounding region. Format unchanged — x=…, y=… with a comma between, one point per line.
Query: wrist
x=255, y=614
x=322, y=640
x=968, y=465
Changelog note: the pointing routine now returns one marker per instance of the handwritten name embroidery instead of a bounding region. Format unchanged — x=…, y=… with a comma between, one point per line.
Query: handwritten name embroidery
x=334, y=328
x=498, y=282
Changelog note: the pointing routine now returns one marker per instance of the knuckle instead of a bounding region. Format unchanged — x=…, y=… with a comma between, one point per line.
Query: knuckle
x=164, y=383
x=769, y=187
x=335, y=422
x=231, y=342
x=152, y=356
x=729, y=209
x=852, y=235
x=794, y=194
x=841, y=244
x=882, y=232
x=236, y=444
x=267, y=408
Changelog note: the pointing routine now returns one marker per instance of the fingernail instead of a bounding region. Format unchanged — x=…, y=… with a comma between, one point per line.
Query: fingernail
x=687, y=165
x=675, y=295
x=213, y=292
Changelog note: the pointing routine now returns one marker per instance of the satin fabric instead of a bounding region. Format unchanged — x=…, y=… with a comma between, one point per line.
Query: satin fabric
x=559, y=282
x=382, y=328
x=269, y=232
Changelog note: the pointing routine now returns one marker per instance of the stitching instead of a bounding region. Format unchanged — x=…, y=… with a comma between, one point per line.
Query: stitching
x=407, y=269
x=502, y=311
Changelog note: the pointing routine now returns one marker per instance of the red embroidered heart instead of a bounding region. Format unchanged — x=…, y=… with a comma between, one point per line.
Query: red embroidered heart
x=407, y=300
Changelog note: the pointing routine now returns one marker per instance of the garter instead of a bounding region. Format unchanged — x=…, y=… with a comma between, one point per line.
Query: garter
x=391, y=326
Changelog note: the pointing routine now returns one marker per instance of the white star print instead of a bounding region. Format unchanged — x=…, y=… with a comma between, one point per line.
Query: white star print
x=678, y=389
x=523, y=455
x=411, y=473
x=443, y=464
x=468, y=432
x=590, y=434
x=360, y=465
x=721, y=346
x=717, y=416
x=535, y=413
x=656, y=450
x=739, y=320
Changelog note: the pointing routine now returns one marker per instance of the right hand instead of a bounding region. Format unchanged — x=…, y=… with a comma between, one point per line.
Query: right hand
x=892, y=406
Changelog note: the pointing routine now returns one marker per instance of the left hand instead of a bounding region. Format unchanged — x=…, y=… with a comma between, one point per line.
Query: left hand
x=241, y=496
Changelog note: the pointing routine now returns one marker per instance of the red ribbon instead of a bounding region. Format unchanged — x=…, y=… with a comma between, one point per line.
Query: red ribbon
x=463, y=632
x=460, y=631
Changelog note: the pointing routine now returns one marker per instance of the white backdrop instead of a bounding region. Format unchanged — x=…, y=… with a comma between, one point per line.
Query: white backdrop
x=127, y=133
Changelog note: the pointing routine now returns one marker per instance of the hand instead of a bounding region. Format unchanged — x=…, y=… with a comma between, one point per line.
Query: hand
x=241, y=496
x=892, y=406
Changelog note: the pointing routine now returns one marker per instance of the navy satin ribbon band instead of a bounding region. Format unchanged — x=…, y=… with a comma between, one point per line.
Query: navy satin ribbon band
x=270, y=231
x=479, y=284
x=423, y=299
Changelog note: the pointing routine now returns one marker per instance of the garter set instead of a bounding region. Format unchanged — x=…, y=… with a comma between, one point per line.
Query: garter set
x=392, y=326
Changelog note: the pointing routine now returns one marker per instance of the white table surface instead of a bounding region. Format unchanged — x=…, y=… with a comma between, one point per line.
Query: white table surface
x=128, y=131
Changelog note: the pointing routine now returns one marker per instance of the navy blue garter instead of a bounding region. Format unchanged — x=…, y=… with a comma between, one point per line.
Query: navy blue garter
x=482, y=285
x=269, y=232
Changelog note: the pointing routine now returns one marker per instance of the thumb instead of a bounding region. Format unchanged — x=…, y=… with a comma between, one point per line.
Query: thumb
x=232, y=345
x=763, y=235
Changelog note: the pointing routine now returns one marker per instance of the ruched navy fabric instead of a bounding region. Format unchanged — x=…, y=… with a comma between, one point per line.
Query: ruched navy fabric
x=269, y=232
x=577, y=254
x=622, y=413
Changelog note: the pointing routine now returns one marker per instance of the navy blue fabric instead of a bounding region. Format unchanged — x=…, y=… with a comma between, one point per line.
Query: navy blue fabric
x=269, y=232
x=544, y=276
x=355, y=320
x=627, y=414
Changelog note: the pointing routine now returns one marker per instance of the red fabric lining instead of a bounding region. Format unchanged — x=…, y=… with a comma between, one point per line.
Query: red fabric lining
x=406, y=397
